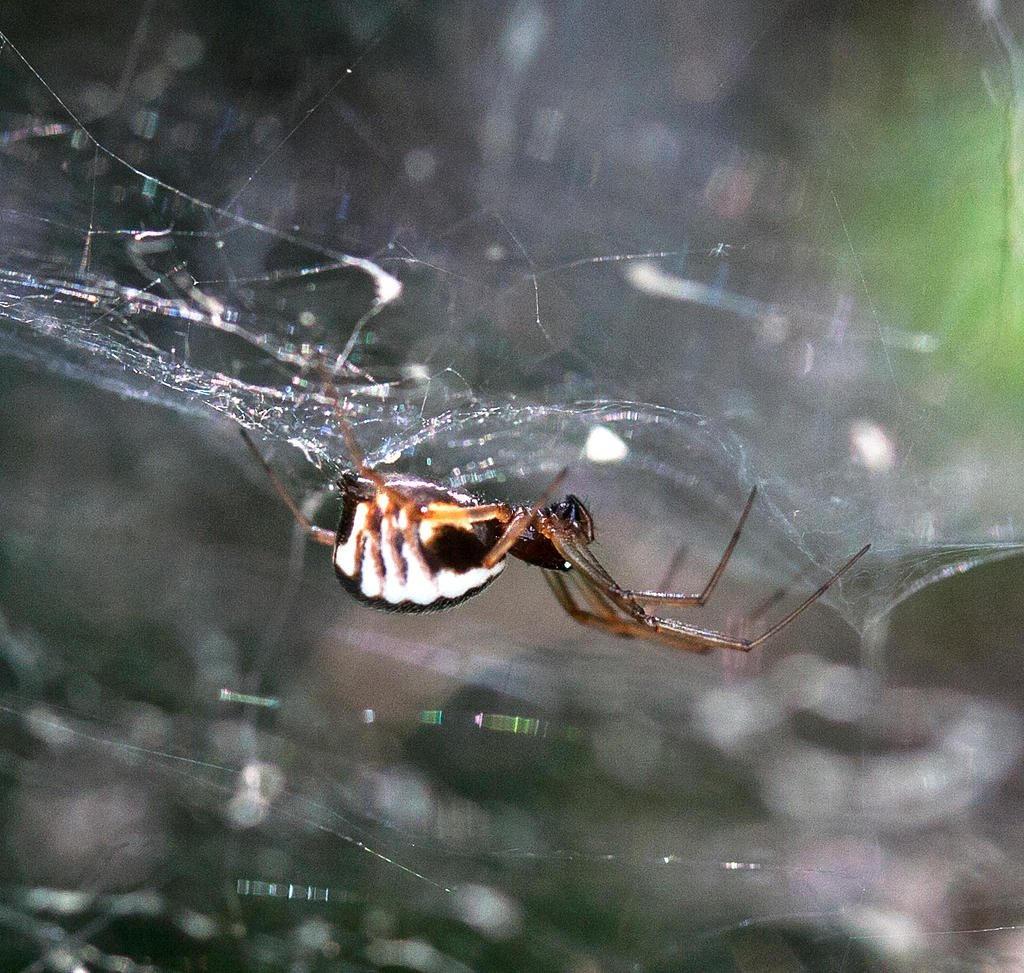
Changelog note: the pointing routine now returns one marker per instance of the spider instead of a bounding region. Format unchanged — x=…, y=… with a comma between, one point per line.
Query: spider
x=408, y=545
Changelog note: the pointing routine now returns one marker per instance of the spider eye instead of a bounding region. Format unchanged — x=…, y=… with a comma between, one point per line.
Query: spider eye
x=573, y=512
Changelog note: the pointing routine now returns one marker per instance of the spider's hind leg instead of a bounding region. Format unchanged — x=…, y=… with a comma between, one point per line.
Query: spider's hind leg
x=355, y=452
x=320, y=534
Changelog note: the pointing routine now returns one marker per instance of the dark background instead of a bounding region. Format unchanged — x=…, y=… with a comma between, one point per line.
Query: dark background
x=772, y=245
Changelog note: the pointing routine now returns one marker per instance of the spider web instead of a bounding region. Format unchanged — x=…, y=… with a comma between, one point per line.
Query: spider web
x=522, y=239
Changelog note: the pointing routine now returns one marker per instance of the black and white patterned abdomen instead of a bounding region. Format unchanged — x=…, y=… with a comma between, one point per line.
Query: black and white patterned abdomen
x=397, y=563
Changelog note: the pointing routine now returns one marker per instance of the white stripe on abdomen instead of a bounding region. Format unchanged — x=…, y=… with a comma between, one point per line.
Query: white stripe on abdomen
x=396, y=549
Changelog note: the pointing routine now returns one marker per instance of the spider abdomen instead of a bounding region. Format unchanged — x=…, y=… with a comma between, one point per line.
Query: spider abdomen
x=391, y=556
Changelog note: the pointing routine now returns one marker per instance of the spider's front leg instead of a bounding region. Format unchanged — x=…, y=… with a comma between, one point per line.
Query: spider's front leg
x=618, y=610
x=637, y=624
x=598, y=616
x=692, y=600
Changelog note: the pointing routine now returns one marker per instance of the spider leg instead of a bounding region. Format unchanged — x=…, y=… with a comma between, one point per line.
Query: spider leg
x=319, y=534
x=521, y=520
x=345, y=427
x=604, y=617
x=635, y=621
x=669, y=625
x=452, y=513
x=606, y=620
x=682, y=600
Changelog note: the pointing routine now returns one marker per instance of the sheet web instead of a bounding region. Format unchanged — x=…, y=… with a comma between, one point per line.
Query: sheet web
x=287, y=781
